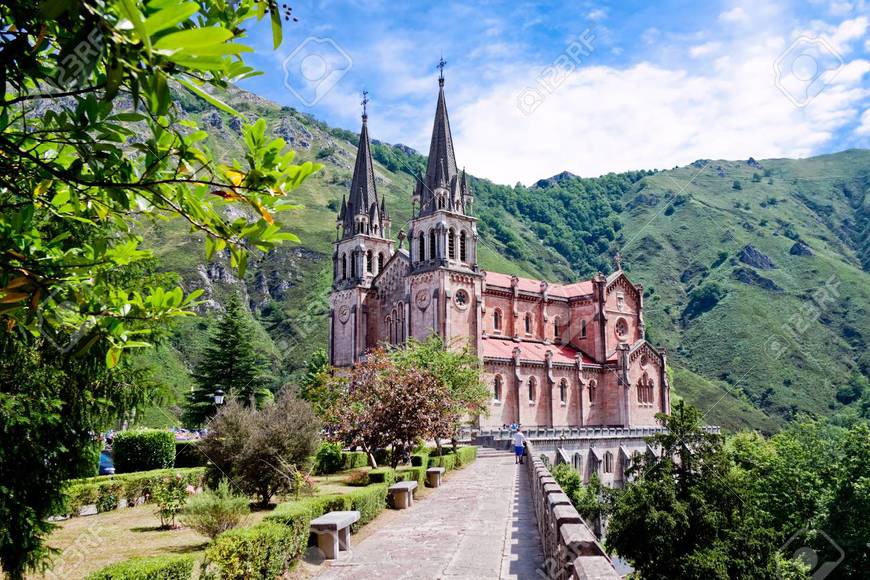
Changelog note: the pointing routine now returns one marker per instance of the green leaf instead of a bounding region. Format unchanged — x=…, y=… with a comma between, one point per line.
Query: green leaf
x=277, y=32
x=169, y=17
x=113, y=356
x=193, y=39
x=207, y=97
x=129, y=9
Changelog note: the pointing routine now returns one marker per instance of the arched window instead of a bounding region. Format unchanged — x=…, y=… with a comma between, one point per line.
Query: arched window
x=353, y=265
x=556, y=331
x=369, y=261
x=577, y=460
x=645, y=390
x=528, y=322
x=650, y=391
x=344, y=266
x=497, y=320
x=563, y=391
x=462, y=255
x=380, y=262
x=582, y=329
x=533, y=383
x=593, y=385
x=421, y=247
x=389, y=322
x=497, y=388
x=451, y=244
x=431, y=244
x=608, y=462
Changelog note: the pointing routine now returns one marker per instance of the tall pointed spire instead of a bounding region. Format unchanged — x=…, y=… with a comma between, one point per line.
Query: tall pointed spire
x=362, y=214
x=441, y=169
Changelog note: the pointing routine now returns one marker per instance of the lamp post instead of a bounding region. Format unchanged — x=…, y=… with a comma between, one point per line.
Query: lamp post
x=219, y=397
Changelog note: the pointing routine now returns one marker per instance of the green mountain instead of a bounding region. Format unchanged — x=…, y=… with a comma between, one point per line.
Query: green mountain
x=755, y=272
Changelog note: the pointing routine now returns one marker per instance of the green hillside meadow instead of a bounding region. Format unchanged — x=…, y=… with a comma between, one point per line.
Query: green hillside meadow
x=755, y=337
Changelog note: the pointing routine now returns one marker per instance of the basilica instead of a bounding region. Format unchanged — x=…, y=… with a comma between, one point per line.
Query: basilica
x=554, y=355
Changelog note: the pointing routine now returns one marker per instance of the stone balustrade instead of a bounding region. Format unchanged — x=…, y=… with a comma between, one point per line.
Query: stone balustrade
x=571, y=550
x=550, y=439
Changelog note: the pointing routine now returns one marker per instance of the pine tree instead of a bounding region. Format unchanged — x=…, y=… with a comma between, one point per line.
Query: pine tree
x=230, y=363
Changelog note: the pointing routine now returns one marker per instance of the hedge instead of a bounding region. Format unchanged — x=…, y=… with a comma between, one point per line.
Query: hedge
x=420, y=458
x=448, y=462
x=353, y=460
x=106, y=491
x=143, y=450
x=187, y=454
x=465, y=455
x=269, y=548
x=154, y=568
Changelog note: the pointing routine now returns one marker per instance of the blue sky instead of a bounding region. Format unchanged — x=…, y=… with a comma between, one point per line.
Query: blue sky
x=534, y=88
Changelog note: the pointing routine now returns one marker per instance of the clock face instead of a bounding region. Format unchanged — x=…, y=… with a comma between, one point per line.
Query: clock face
x=461, y=298
x=423, y=298
x=344, y=313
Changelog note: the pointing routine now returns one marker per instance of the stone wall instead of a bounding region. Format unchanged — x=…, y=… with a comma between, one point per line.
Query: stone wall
x=571, y=550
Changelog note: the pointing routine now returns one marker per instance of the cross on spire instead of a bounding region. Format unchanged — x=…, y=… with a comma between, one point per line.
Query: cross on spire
x=364, y=102
x=441, y=64
x=617, y=259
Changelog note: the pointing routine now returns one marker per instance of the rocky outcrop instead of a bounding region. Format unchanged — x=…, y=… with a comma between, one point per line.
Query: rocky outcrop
x=753, y=278
x=800, y=249
x=751, y=256
x=692, y=271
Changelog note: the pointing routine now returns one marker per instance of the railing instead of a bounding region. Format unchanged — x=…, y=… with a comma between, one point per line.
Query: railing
x=579, y=432
x=571, y=550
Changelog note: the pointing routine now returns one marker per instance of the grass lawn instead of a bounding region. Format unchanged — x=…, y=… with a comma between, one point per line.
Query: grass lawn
x=89, y=543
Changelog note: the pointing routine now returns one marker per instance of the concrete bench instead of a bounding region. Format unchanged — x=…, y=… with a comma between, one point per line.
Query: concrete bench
x=433, y=476
x=333, y=532
x=402, y=494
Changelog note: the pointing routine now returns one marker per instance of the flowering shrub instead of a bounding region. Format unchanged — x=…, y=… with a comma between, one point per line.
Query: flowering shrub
x=170, y=495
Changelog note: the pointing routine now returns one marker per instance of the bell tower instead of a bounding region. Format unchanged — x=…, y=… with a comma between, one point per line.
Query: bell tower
x=361, y=249
x=445, y=281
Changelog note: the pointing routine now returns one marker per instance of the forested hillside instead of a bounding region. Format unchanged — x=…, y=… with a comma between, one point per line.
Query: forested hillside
x=755, y=272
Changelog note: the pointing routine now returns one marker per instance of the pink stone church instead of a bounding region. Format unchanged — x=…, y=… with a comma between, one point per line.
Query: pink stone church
x=554, y=355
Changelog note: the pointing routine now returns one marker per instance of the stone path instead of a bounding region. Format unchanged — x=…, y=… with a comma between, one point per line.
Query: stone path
x=479, y=525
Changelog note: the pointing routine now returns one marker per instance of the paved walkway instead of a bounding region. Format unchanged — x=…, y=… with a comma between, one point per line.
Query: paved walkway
x=479, y=525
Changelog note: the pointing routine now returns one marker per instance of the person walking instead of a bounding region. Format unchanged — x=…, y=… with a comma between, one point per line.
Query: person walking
x=519, y=446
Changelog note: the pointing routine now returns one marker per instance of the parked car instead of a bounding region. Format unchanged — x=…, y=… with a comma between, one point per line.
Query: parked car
x=107, y=466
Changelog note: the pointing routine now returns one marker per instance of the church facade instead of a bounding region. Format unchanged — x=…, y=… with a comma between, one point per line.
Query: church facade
x=554, y=355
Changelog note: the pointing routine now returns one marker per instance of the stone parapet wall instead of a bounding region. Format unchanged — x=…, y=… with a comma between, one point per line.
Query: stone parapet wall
x=571, y=550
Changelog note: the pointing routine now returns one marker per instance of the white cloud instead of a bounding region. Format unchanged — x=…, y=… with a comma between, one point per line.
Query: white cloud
x=597, y=14
x=864, y=127
x=735, y=15
x=705, y=49
x=603, y=119
x=650, y=35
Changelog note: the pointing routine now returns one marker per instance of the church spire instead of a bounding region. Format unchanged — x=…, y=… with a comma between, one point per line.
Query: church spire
x=363, y=213
x=441, y=169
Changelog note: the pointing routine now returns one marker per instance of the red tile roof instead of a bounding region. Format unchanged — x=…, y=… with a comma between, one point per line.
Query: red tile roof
x=530, y=350
x=529, y=285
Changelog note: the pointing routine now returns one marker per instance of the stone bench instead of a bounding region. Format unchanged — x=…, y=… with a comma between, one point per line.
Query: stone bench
x=333, y=532
x=402, y=494
x=433, y=476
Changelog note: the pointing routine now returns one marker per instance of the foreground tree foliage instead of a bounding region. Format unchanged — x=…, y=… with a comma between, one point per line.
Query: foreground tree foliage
x=92, y=152
x=387, y=405
x=231, y=363
x=689, y=514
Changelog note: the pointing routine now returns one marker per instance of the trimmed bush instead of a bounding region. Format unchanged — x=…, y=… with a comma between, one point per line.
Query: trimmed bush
x=154, y=568
x=382, y=475
x=143, y=450
x=465, y=455
x=420, y=458
x=329, y=458
x=448, y=462
x=417, y=474
x=106, y=491
x=187, y=454
x=353, y=460
x=262, y=551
